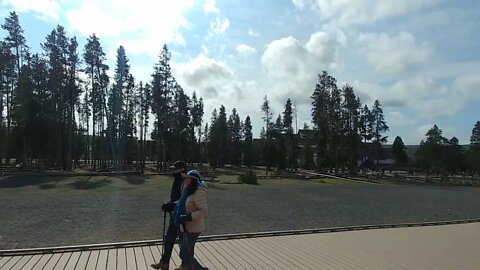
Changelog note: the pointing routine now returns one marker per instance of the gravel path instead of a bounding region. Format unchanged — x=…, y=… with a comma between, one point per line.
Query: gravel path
x=40, y=212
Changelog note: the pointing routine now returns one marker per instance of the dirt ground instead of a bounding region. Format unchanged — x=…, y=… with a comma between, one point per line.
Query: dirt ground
x=55, y=211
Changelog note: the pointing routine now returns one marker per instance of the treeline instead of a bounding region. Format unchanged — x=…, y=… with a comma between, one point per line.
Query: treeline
x=343, y=128
x=60, y=106
x=438, y=155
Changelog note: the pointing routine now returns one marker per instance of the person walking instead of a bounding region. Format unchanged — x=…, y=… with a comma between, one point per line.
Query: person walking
x=172, y=232
x=190, y=213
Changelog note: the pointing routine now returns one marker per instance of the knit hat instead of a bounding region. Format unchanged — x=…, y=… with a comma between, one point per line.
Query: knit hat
x=195, y=175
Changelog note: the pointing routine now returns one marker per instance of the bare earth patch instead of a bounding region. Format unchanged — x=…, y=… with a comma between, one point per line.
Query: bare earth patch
x=54, y=211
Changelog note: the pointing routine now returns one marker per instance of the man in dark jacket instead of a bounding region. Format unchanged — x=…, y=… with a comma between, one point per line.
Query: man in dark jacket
x=172, y=233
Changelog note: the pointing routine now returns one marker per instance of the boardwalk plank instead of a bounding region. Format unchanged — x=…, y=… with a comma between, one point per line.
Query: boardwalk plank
x=291, y=255
x=31, y=263
x=21, y=262
x=201, y=258
x=121, y=259
x=316, y=251
x=214, y=263
x=445, y=247
x=255, y=259
x=155, y=253
x=72, y=262
x=62, y=262
x=10, y=263
x=112, y=259
x=42, y=262
x=147, y=254
x=4, y=260
x=233, y=255
x=131, y=263
x=53, y=261
x=140, y=258
x=175, y=255
x=102, y=259
x=218, y=254
x=92, y=260
x=83, y=260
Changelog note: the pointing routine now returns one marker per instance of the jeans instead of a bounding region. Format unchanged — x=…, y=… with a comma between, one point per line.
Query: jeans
x=169, y=240
x=187, y=251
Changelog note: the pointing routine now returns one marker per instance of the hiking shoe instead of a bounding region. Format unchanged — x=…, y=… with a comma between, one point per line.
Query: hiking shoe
x=160, y=265
x=180, y=268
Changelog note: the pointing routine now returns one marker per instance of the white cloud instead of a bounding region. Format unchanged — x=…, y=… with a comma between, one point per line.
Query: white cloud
x=347, y=12
x=220, y=25
x=292, y=67
x=245, y=50
x=288, y=57
x=300, y=4
x=399, y=119
x=203, y=71
x=394, y=55
x=322, y=46
x=139, y=29
x=253, y=33
x=468, y=85
x=209, y=7
x=47, y=9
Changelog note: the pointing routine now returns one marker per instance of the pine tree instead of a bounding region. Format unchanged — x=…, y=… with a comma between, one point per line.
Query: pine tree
x=248, y=142
x=475, y=138
x=267, y=139
x=323, y=105
x=398, y=149
x=473, y=154
x=95, y=69
x=162, y=95
x=197, y=116
x=234, y=136
x=379, y=127
x=73, y=88
x=291, y=146
x=16, y=44
x=56, y=49
x=351, y=118
x=182, y=127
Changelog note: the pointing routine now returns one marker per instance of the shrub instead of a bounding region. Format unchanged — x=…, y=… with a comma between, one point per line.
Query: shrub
x=248, y=178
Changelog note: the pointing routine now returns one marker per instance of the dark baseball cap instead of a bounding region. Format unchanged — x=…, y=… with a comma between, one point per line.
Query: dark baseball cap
x=179, y=164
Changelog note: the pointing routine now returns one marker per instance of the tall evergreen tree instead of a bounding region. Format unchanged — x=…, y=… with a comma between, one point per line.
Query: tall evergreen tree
x=430, y=153
x=398, y=150
x=183, y=126
x=56, y=50
x=95, y=69
x=379, y=127
x=248, y=142
x=197, y=116
x=16, y=43
x=267, y=139
x=323, y=105
x=351, y=121
x=473, y=154
x=121, y=105
x=234, y=128
x=162, y=95
x=475, y=138
x=291, y=146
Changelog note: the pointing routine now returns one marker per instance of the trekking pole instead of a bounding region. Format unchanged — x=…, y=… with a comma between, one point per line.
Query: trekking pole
x=163, y=234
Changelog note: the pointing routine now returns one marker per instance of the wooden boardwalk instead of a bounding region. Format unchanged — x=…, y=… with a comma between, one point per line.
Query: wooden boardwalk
x=433, y=247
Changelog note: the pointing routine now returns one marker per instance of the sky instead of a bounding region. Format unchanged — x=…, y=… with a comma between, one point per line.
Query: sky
x=420, y=58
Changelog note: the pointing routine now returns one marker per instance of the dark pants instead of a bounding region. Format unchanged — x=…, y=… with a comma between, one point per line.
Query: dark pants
x=169, y=240
x=187, y=251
